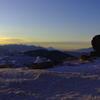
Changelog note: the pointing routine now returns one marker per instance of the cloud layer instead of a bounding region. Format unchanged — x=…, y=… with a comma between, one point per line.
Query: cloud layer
x=56, y=44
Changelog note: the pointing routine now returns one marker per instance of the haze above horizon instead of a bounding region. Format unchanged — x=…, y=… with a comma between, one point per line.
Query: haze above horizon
x=62, y=24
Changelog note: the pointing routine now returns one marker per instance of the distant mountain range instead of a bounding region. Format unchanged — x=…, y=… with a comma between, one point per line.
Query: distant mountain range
x=13, y=48
x=20, y=47
x=84, y=50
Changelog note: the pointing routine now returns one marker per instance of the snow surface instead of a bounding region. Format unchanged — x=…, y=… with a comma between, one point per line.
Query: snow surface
x=76, y=81
x=38, y=60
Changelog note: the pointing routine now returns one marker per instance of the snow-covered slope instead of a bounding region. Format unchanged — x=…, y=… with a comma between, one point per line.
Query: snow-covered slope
x=78, y=80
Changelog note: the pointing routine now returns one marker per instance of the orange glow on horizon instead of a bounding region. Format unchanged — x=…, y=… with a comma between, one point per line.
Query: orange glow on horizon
x=62, y=45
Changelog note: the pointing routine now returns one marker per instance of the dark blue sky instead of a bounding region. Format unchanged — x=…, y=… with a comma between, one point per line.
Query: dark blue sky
x=63, y=24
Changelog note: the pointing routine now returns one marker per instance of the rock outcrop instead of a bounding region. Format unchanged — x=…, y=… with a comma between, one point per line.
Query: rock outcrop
x=96, y=43
x=96, y=46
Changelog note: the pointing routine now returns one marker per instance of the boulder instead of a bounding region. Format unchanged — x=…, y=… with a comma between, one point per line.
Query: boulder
x=43, y=65
x=96, y=46
x=96, y=43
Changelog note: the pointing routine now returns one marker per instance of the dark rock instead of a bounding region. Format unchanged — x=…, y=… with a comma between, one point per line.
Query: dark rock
x=96, y=46
x=55, y=62
x=94, y=54
x=43, y=65
x=96, y=43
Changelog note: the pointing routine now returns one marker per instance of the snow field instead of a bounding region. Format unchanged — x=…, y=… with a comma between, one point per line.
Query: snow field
x=63, y=82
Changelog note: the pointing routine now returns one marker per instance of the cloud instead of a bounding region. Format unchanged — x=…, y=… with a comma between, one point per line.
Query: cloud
x=8, y=40
x=13, y=39
x=60, y=43
x=39, y=42
x=56, y=44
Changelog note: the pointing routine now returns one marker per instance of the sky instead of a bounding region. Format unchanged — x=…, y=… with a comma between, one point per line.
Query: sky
x=62, y=24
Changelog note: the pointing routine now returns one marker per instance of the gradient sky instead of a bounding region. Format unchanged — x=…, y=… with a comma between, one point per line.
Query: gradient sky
x=62, y=24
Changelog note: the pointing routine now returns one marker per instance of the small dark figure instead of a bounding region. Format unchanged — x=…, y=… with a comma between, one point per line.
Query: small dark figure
x=96, y=46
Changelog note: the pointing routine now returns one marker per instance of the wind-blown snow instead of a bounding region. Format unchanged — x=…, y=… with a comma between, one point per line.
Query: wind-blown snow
x=63, y=82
